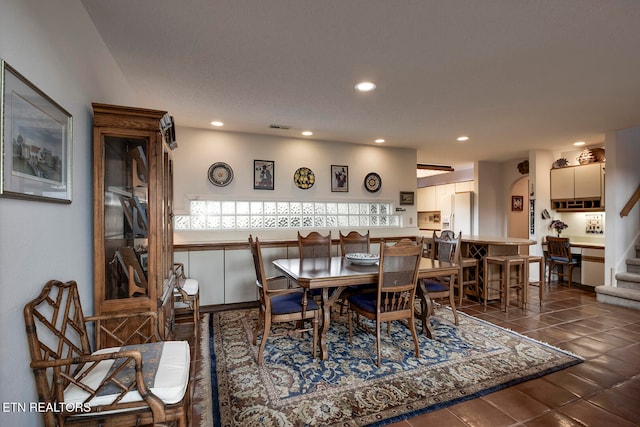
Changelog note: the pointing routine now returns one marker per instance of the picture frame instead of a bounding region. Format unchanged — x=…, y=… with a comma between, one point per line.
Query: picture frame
x=517, y=203
x=35, y=142
x=407, y=197
x=263, y=174
x=339, y=178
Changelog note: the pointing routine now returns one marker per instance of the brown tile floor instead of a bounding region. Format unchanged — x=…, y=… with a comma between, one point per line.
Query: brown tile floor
x=602, y=391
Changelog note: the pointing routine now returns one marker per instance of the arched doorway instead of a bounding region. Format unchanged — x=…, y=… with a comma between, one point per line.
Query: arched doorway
x=518, y=215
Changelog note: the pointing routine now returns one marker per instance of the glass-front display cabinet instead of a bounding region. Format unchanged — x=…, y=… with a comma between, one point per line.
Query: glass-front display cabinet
x=133, y=202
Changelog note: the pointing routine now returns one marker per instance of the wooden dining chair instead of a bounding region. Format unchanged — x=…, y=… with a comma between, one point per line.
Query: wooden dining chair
x=314, y=245
x=446, y=247
x=559, y=256
x=141, y=381
x=281, y=305
x=354, y=242
x=396, y=290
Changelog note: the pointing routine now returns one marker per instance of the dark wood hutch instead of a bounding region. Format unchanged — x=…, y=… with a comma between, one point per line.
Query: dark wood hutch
x=133, y=203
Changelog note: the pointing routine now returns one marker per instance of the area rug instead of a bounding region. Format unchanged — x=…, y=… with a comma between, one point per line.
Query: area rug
x=292, y=388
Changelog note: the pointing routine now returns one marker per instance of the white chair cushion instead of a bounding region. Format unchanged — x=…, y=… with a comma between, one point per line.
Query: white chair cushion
x=170, y=383
x=190, y=286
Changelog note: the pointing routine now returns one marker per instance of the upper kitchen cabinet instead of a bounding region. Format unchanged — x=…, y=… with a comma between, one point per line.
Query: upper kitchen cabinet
x=578, y=188
x=133, y=203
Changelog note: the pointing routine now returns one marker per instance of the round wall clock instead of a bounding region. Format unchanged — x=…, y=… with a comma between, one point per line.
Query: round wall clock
x=304, y=178
x=220, y=174
x=372, y=182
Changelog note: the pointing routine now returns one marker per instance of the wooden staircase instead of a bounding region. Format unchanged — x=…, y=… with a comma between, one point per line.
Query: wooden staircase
x=627, y=292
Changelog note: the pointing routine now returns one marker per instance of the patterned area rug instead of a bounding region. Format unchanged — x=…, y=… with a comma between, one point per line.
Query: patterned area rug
x=293, y=389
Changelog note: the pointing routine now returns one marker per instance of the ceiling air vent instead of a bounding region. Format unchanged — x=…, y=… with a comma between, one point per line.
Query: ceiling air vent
x=280, y=127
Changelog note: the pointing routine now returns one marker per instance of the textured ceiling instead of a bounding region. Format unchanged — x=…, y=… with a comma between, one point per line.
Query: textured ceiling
x=513, y=75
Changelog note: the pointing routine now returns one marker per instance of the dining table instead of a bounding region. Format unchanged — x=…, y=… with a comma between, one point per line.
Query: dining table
x=332, y=275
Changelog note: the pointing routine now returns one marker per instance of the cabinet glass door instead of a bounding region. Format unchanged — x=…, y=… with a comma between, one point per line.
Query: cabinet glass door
x=126, y=219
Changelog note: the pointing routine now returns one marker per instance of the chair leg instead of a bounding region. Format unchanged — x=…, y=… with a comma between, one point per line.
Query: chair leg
x=452, y=302
x=258, y=326
x=316, y=322
x=378, y=342
x=265, y=335
x=414, y=334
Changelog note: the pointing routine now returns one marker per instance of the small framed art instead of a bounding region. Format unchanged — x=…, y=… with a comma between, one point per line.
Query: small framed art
x=35, y=142
x=407, y=197
x=339, y=178
x=517, y=203
x=263, y=174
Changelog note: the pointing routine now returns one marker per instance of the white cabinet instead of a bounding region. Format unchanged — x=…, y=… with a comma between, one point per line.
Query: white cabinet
x=426, y=199
x=588, y=181
x=592, y=268
x=578, y=188
x=208, y=268
x=562, y=183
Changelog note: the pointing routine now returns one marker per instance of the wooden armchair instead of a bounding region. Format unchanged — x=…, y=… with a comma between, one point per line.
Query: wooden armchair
x=446, y=247
x=396, y=290
x=281, y=305
x=142, y=383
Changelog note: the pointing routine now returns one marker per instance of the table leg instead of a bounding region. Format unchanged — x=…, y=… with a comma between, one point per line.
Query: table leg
x=426, y=308
x=326, y=310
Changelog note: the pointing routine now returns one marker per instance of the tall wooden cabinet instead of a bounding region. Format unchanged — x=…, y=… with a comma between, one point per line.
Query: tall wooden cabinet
x=133, y=202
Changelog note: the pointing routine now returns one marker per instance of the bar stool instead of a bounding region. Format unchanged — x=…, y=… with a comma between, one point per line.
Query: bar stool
x=532, y=259
x=506, y=263
x=469, y=276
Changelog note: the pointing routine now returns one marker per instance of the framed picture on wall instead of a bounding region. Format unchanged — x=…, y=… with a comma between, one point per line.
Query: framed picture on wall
x=339, y=178
x=517, y=203
x=407, y=197
x=35, y=142
x=263, y=174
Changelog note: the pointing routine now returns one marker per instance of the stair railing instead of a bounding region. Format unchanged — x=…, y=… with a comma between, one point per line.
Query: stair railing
x=632, y=201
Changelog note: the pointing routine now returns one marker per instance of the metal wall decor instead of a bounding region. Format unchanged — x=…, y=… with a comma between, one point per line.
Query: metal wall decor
x=372, y=182
x=220, y=174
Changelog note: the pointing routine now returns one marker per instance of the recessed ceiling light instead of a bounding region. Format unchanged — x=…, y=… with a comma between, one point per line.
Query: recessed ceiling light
x=579, y=143
x=365, y=86
x=217, y=123
x=379, y=141
x=307, y=133
x=463, y=138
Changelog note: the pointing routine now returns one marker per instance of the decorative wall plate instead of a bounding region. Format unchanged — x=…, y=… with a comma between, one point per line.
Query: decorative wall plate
x=304, y=178
x=220, y=174
x=372, y=182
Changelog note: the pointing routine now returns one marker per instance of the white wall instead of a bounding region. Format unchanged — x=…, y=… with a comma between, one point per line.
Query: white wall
x=198, y=149
x=491, y=205
x=53, y=44
x=621, y=180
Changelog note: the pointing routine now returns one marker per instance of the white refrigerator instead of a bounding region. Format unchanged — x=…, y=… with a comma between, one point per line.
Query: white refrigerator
x=462, y=213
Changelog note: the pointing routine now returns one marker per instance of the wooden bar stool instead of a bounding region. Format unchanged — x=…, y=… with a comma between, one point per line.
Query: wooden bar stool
x=469, y=276
x=507, y=265
x=532, y=259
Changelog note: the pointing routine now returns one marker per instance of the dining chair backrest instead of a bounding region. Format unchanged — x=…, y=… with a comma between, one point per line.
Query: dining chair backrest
x=446, y=246
x=559, y=248
x=314, y=245
x=256, y=252
x=398, y=275
x=354, y=242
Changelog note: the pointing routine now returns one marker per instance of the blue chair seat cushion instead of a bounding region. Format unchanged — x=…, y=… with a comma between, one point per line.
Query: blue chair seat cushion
x=434, y=286
x=365, y=301
x=290, y=303
x=563, y=259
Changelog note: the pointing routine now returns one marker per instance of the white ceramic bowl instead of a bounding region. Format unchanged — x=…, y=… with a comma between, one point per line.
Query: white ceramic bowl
x=362, y=258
